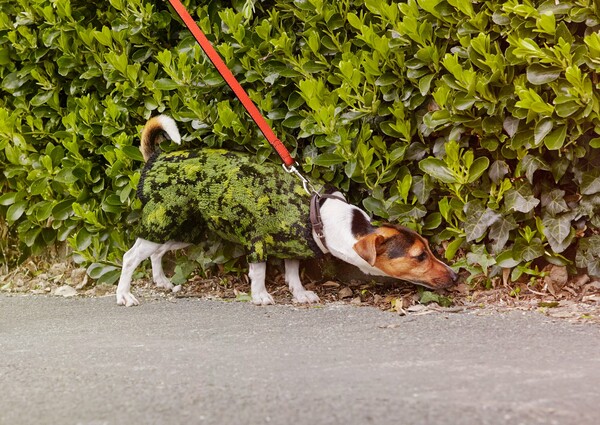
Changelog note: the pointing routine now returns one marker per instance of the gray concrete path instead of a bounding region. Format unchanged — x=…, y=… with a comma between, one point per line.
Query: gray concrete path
x=190, y=361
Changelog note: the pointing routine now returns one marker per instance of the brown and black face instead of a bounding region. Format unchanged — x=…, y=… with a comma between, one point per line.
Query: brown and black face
x=404, y=254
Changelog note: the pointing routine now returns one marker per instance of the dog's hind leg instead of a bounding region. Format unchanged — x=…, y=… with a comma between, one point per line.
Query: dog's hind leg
x=158, y=274
x=257, y=273
x=292, y=277
x=141, y=250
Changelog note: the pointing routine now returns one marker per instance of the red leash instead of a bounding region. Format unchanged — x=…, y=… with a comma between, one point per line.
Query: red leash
x=233, y=83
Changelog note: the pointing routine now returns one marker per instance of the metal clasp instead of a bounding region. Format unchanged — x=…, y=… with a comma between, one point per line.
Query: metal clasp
x=306, y=184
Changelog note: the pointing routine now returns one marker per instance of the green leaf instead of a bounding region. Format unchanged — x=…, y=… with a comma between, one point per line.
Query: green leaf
x=556, y=139
x=293, y=121
x=165, y=84
x=388, y=129
x=542, y=129
x=478, y=220
x=66, y=176
x=31, y=235
x=295, y=100
x=588, y=255
x=97, y=270
x=433, y=221
x=498, y=170
x=500, y=231
x=452, y=248
x=104, y=36
x=83, y=239
x=62, y=210
x=517, y=201
x=531, y=163
x=590, y=182
x=43, y=210
x=8, y=198
x=554, y=202
x=428, y=297
x=421, y=188
x=506, y=260
x=558, y=231
x=386, y=80
x=329, y=159
x=15, y=211
x=375, y=206
x=354, y=20
x=425, y=84
x=41, y=98
x=110, y=277
x=133, y=153
x=567, y=109
x=463, y=101
x=524, y=251
x=478, y=168
x=511, y=125
x=437, y=169
x=480, y=256
x=538, y=74
x=13, y=81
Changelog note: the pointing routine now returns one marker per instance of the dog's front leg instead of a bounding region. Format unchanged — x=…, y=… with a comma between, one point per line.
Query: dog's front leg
x=141, y=250
x=292, y=277
x=257, y=273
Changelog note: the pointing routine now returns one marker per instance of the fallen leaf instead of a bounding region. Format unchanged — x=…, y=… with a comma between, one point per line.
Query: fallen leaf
x=506, y=276
x=595, y=298
x=65, y=291
x=345, y=293
x=356, y=301
x=557, y=277
x=548, y=304
x=416, y=308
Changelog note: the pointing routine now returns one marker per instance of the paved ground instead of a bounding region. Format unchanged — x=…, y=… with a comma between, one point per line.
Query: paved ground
x=87, y=361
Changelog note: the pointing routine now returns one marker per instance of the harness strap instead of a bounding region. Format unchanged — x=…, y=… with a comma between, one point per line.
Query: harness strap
x=315, y=215
x=232, y=82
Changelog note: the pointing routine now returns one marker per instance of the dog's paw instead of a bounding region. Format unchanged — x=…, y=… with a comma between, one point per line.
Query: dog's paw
x=306, y=297
x=164, y=282
x=126, y=299
x=262, y=298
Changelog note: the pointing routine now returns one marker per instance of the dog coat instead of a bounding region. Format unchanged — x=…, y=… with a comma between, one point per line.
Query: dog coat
x=186, y=194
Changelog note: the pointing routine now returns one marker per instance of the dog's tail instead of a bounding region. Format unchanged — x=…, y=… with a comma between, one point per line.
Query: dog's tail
x=155, y=131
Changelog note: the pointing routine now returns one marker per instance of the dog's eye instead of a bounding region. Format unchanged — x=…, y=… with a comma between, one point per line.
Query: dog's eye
x=421, y=257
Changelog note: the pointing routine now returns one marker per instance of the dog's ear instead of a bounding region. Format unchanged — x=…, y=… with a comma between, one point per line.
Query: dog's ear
x=368, y=247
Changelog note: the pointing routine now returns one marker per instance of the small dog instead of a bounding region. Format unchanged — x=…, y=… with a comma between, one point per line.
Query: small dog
x=188, y=193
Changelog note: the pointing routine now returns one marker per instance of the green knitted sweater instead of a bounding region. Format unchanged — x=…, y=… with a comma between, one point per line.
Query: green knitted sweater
x=259, y=206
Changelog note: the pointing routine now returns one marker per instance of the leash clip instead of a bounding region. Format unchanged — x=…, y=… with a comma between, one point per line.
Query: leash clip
x=306, y=184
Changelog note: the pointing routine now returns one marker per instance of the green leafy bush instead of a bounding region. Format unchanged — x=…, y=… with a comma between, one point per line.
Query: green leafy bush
x=474, y=122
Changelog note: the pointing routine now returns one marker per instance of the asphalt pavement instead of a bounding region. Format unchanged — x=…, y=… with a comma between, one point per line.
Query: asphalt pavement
x=192, y=361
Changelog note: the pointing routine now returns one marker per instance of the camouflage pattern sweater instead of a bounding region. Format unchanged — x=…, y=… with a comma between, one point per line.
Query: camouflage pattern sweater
x=186, y=194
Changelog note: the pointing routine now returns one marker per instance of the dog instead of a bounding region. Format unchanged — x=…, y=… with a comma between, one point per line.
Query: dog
x=187, y=193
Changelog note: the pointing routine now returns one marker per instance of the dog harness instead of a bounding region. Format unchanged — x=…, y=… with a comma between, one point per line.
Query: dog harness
x=186, y=194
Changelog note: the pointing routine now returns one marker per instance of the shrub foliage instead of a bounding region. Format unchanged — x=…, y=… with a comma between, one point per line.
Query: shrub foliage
x=474, y=122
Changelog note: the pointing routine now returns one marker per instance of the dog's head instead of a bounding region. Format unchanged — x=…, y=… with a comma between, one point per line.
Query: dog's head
x=402, y=253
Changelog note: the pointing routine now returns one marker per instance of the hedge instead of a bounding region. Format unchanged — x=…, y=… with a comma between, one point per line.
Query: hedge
x=473, y=122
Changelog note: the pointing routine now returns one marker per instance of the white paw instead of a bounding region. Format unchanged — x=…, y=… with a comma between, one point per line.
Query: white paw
x=163, y=282
x=176, y=289
x=262, y=298
x=306, y=297
x=126, y=299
